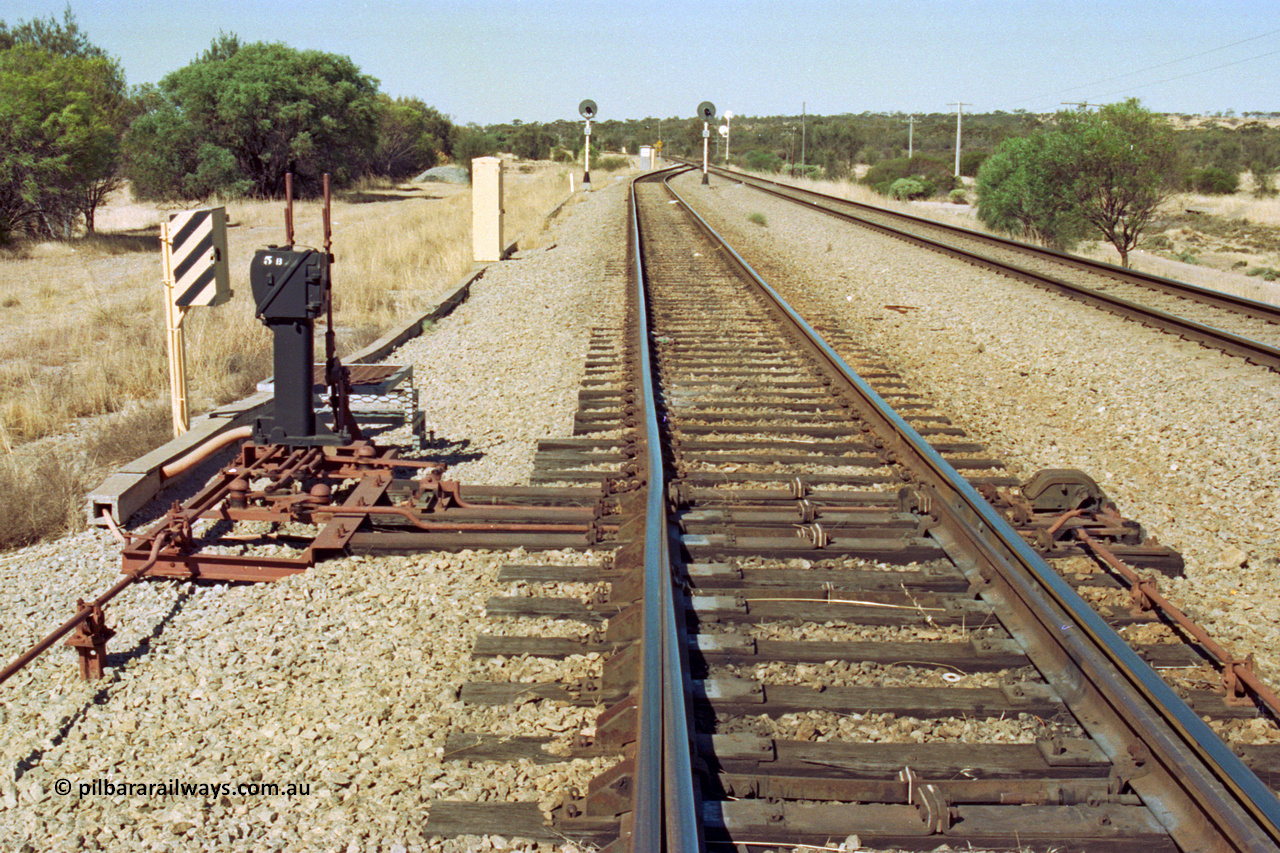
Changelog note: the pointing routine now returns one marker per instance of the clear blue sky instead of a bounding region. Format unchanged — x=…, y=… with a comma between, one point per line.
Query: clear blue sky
x=487, y=62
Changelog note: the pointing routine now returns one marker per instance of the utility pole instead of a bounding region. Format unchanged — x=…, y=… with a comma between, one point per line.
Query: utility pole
x=959, y=110
x=802, y=137
x=911, y=127
x=728, y=123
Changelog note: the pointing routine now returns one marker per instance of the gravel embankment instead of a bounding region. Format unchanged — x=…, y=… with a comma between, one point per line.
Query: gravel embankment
x=1182, y=438
x=342, y=679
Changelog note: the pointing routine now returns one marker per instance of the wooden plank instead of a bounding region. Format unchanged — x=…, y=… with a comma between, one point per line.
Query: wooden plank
x=885, y=760
x=942, y=578
x=951, y=656
x=543, y=607
x=451, y=818
x=927, y=702
x=711, y=608
x=468, y=746
x=551, y=574
x=1264, y=760
x=1108, y=828
x=508, y=692
x=492, y=645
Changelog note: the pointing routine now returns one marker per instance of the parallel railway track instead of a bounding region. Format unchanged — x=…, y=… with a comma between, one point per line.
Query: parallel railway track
x=796, y=566
x=825, y=612
x=1236, y=325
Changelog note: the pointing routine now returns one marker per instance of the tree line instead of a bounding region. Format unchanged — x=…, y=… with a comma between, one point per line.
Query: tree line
x=241, y=116
x=233, y=122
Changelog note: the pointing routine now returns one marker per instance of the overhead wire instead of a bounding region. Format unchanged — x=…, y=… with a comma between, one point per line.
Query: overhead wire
x=1191, y=74
x=1165, y=65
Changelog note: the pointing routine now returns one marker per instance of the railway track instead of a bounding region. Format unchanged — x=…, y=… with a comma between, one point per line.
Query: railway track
x=856, y=643
x=808, y=627
x=1242, y=327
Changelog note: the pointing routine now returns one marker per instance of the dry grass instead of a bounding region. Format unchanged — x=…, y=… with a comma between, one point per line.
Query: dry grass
x=81, y=323
x=42, y=484
x=82, y=328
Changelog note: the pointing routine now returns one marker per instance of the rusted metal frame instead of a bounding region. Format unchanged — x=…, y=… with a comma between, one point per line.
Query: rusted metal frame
x=1237, y=674
x=304, y=512
x=667, y=808
x=1201, y=791
x=348, y=517
x=1239, y=304
x=135, y=554
x=92, y=645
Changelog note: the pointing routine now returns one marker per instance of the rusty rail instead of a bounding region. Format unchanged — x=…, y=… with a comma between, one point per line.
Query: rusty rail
x=1237, y=675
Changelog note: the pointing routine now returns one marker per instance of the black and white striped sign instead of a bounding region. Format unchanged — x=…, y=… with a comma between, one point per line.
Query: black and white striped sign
x=198, y=252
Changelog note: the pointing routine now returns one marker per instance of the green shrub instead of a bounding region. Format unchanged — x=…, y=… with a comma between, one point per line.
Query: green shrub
x=757, y=219
x=906, y=189
x=935, y=174
x=1265, y=273
x=1214, y=180
x=971, y=162
x=958, y=196
x=763, y=161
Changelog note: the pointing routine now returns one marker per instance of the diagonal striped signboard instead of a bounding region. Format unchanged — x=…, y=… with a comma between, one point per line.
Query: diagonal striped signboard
x=197, y=243
x=193, y=247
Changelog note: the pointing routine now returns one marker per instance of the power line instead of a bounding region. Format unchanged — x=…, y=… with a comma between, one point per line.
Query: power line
x=1163, y=65
x=1191, y=74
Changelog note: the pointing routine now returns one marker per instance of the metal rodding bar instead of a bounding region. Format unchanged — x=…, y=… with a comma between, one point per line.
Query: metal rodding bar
x=1206, y=797
x=665, y=802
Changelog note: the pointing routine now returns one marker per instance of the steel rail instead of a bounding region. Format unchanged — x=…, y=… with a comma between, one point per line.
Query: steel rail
x=1241, y=304
x=1255, y=351
x=1193, y=783
x=665, y=810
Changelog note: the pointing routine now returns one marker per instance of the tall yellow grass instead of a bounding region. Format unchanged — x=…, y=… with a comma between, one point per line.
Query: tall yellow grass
x=81, y=323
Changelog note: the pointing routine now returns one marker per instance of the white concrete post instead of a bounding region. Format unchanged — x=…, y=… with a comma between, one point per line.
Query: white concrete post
x=486, y=208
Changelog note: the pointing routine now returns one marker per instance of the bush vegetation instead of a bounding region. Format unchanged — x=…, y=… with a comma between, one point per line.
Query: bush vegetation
x=1104, y=172
x=64, y=108
x=929, y=176
x=1214, y=180
x=906, y=189
x=611, y=163
x=242, y=116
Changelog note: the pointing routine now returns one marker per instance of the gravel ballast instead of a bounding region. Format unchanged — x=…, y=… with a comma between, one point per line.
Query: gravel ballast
x=342, y=680
x=1181, y=437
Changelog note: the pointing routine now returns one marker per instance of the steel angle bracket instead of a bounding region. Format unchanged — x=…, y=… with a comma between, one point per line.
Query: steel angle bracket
x=341, y=527
x=1198, y=789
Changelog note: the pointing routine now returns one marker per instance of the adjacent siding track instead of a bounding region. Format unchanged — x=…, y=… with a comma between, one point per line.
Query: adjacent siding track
x=1235, y=325
x=816, y=628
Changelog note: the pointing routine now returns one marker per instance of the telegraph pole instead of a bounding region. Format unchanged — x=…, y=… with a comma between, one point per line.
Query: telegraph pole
x=802, y=137
x=959, y=110
x=911, y=127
